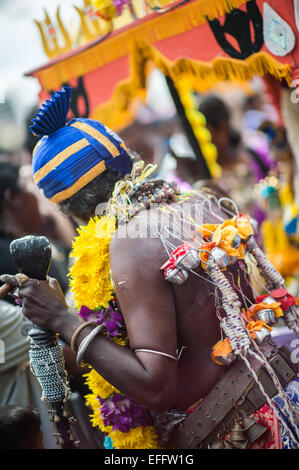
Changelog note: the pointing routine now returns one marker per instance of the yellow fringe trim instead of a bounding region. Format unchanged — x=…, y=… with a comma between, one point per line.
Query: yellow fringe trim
x=120, y=110
x=180, y=20
x=198, y=123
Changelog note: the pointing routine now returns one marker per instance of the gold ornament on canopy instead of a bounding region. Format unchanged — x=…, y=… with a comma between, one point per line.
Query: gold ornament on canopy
x=55, y=38
x=92, y=25
x=58, y=39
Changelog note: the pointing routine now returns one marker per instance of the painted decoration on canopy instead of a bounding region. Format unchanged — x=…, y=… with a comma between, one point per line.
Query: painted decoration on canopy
x=238, y=25
x=279, y=36
x=296, y=9
x=111, y=73
x=79, y=101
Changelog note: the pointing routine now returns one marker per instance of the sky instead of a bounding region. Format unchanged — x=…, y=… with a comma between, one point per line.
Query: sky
x=21, y=51
x=21, y=48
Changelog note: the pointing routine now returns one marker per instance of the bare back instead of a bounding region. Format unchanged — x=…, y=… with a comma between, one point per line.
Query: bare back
x=163, y=316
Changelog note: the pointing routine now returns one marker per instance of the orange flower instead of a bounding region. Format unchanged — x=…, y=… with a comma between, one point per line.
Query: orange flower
x=254, y=309
x=207, y=230
x=204, y=256
x=221, y=349
x=224, y=236
x=244, y=226
x=257, y=326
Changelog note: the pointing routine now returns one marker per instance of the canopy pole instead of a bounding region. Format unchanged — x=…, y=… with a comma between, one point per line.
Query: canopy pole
x=203, y=170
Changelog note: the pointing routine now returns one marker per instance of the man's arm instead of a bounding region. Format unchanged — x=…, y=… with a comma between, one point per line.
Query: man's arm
x=147, y=305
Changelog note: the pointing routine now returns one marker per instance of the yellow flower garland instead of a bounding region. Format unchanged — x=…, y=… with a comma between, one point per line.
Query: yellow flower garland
x=92, y=287
x=198, y=124
x=91, y=253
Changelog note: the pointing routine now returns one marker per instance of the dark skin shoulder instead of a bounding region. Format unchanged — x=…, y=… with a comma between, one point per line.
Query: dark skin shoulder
x=147, y=305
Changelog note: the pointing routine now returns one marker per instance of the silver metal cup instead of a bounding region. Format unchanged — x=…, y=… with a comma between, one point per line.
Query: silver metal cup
x=190, y=260
x=269, y=300
x=263, y=336
x=236, y=242
x=226, y=360
x=177, y=276
x=220, y=257
x=266, y=315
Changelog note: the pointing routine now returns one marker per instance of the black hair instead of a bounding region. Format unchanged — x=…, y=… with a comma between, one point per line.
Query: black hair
x=9, y=179
x=83, y=203
x=215, y=110
x=19, y=427
x=234, y=137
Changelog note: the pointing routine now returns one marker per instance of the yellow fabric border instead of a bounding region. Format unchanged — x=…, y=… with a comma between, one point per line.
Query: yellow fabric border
x=59, y=158
x=120, y=110
x=162, y=26
x=97, y=135
x=80, y=183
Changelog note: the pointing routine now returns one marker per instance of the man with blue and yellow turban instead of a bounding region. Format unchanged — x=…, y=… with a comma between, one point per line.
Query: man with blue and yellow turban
x=157, y=356
x=70, y=156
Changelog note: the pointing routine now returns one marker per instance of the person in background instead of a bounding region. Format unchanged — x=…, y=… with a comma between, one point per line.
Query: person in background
x=242, y=166
x=20, y=216
x=58, y=227
x=20, y=428
x=19, y=388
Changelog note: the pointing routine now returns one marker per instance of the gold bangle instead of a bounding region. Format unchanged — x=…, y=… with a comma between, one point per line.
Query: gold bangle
x=77, y=331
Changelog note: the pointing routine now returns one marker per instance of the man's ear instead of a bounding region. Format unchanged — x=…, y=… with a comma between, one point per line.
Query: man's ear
x=12, y=199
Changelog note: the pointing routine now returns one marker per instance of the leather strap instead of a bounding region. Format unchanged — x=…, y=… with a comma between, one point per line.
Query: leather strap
x=217, y=411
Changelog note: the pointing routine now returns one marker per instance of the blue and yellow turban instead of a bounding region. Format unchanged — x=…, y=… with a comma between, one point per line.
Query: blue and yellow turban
x=69, y=156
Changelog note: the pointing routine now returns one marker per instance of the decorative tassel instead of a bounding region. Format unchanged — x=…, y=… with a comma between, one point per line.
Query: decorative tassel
x=52, y=115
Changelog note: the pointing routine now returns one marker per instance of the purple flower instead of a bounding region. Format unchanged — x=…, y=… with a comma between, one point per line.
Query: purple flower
x=122, y=413
x=119, y=4
x=112, y=319
x=87, y=314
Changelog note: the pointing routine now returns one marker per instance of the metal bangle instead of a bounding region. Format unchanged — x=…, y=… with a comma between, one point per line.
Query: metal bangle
x=175, y=358
x=77, y=331
x=85, y=343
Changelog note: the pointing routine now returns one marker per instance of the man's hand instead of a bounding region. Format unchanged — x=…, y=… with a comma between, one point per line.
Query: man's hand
x=42, y=301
